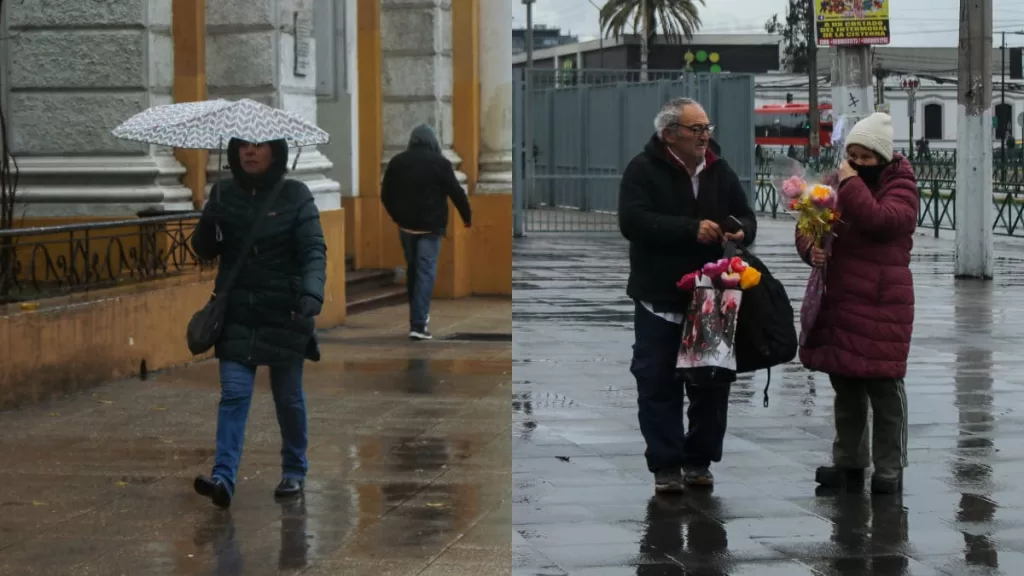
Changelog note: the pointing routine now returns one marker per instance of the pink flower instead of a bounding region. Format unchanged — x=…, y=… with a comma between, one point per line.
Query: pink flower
x=730, y=280
x=688, y=282
x=793, y=187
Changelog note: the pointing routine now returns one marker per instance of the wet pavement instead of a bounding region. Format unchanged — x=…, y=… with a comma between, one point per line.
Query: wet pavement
x=582, y=497
x=409, y=465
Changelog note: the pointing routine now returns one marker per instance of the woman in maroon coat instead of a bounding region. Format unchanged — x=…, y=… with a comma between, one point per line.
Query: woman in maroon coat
x=861, y=337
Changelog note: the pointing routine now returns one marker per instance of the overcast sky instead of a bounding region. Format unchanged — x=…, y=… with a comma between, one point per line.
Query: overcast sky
x=913, y=22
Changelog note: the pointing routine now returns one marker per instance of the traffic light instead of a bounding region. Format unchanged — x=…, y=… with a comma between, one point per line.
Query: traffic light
x=1016, y=64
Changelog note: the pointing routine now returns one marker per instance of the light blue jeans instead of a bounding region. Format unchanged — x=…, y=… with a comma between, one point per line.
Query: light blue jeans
x=421, y=252
x=236, y=384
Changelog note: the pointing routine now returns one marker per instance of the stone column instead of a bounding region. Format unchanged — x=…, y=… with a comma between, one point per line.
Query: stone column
x=495, y=175
x=250, y=53
x=75, y=70
x=416, y=50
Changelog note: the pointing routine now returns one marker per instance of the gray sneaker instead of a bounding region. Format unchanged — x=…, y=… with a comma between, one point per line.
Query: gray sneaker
x=666, y=481
x=698, y=477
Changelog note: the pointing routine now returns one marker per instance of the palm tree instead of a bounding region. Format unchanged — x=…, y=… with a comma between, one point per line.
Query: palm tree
x=677, y=19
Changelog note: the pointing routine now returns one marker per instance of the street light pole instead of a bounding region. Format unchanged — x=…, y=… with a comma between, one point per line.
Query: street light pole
x=600, y=38
x=910, y=86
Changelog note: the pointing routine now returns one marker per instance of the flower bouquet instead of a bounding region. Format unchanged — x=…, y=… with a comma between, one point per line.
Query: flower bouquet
x=709, y=330
x=817, y=215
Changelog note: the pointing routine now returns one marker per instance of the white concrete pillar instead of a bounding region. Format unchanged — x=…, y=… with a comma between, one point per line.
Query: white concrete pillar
x=61, y=106
x=250, y=53
x=495, y=176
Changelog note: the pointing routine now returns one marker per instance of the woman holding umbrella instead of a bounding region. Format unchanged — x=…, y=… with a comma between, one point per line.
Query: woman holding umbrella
x=271, y=305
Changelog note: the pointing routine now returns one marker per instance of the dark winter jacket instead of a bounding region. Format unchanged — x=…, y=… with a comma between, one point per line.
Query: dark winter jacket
x=418, y=183
x=864, y=326
x=660, y=217
x=273, y=303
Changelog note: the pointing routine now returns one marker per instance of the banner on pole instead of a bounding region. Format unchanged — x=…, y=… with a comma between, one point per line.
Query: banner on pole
x=851, y=22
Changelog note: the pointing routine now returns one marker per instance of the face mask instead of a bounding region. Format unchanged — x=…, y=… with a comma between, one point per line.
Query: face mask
x=869, y=174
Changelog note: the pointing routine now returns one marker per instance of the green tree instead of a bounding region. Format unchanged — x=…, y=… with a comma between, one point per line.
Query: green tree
x=795, y=34
x=673, y=19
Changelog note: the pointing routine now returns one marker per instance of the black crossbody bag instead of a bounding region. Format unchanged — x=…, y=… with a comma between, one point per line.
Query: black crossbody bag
x=206, y=325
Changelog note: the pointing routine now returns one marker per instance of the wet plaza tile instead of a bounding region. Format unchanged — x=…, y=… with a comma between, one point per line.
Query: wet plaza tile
x=582, y=499
x=409, y=455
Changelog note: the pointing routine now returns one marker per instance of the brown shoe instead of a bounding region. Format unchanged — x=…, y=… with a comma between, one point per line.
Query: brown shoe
x=668, y=481
x=699, y=477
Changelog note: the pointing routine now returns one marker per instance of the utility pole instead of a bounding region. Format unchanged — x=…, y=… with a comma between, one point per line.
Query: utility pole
x=973, y=257
x=910, y=86
x=529, y=167
x=643, y=41
x=813, y=110
x=1002, y=101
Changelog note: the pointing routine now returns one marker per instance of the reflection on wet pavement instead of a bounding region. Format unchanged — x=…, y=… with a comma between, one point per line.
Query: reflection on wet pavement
x=409, y=457
x=582, y=497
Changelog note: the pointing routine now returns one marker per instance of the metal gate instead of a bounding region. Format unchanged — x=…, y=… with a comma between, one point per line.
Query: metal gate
x=584, y=126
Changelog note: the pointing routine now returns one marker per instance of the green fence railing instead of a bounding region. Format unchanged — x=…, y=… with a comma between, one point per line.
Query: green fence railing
x=936, y=181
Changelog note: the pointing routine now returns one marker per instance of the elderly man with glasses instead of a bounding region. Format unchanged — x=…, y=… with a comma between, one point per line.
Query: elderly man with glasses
x=679, y=202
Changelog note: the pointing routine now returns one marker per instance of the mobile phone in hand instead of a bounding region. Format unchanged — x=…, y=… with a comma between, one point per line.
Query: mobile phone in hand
x=731, y=225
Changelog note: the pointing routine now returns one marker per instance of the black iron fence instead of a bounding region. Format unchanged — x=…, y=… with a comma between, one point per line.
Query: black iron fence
x=40, y=262
x=936, y=180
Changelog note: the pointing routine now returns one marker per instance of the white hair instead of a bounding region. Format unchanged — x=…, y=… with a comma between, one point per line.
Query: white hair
x=671, y=112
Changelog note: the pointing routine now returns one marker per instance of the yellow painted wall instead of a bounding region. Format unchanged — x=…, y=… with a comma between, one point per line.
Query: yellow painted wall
x=188, y=32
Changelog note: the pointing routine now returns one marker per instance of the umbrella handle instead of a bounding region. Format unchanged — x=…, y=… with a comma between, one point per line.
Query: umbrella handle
x=296, y=161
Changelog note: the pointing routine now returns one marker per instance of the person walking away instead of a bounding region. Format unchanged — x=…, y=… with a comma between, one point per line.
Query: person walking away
x=271, y=308
x=676, y=201
x=417, y=185
x=861, y=337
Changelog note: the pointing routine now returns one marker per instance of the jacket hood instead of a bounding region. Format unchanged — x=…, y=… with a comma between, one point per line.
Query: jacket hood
x=278, y=165
x=423, y=136
x=656, y=149
x=899, y=168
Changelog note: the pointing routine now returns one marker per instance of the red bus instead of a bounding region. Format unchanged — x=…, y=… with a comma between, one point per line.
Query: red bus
x=789, y=124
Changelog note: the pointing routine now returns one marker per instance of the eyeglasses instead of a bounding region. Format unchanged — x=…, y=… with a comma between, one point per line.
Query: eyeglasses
x=698, y=129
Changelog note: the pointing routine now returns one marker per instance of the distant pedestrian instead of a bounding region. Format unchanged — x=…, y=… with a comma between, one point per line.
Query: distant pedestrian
x=676, y=201
x=861, y=337
x=271, y=307
x=417, y=185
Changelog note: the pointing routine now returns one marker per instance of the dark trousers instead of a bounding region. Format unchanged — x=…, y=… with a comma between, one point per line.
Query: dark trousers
x=421, y=254
x=852, y=447
x=660, y=390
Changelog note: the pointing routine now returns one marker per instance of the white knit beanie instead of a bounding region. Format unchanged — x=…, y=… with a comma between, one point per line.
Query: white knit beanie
x=873, y=133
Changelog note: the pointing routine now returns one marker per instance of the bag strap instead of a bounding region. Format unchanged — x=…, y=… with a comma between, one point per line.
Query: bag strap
x=729, y=250
x=766, y=385
x=261, y=216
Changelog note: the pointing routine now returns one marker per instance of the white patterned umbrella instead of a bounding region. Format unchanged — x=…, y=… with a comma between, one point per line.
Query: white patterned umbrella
x=209, y=125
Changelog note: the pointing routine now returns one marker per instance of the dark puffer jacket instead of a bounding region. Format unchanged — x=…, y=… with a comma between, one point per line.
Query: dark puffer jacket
x=866, y=319
x=280, y=289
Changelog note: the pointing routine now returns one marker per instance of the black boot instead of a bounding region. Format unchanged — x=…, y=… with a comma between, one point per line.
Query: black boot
x=887, y=482
x=214, y=489
x=289, y=488
x=838, y=477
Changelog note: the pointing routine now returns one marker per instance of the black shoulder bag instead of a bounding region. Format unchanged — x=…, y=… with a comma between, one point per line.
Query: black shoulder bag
x=205, y=327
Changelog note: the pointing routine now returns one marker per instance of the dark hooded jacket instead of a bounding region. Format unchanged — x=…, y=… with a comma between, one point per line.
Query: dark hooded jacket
x=660, y=217
x=280, y=289
x=418, y=183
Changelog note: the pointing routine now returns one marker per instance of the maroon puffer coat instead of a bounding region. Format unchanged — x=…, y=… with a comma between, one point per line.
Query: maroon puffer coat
x=867, y=315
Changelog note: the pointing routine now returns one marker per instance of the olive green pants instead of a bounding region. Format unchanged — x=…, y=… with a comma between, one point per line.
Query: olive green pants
x=888, y=401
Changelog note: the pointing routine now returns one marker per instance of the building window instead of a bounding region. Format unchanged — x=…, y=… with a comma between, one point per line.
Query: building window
x=933, y=121
x=1004, y=116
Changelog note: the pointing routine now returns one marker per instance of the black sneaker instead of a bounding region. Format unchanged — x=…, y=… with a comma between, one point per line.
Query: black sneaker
x=214, y=489
x=839, y=477
x=699, y=477
x=289, y=488
x=887, y=482
x=667, y=481
x=419, y=334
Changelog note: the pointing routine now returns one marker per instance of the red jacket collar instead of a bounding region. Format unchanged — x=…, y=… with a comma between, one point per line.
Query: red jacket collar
x=709, y=158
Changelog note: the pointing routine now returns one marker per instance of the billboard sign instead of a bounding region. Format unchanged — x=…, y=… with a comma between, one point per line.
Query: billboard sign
x=851, y=22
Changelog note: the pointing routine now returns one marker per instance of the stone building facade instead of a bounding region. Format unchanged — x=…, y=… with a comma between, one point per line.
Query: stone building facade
x=367, y=71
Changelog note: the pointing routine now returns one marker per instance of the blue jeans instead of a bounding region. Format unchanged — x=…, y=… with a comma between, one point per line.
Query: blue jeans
x=236, y=383
x=421, y=251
